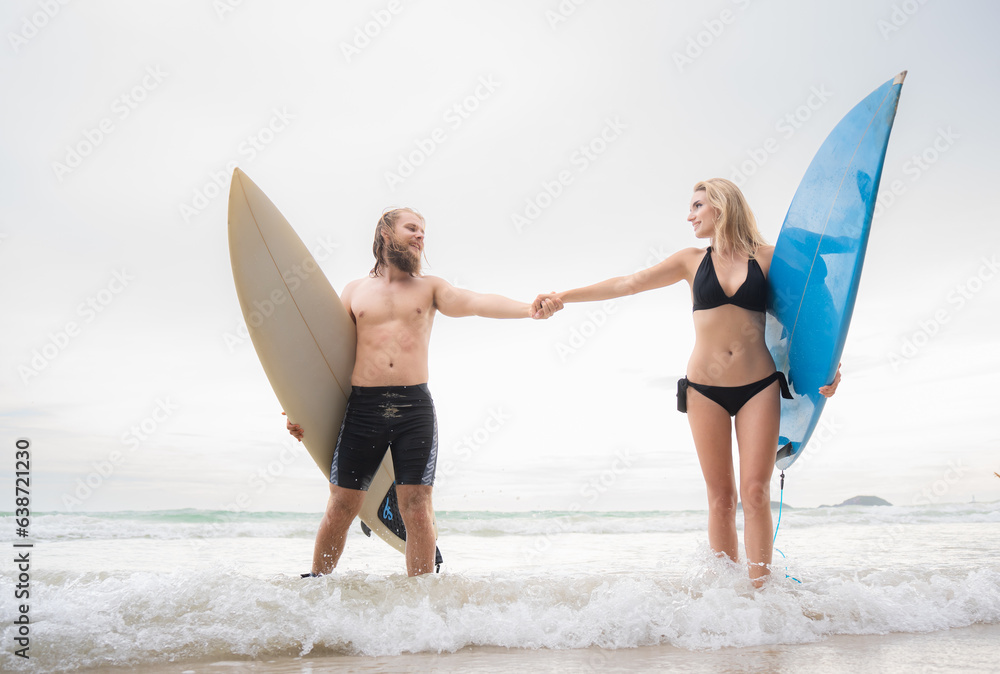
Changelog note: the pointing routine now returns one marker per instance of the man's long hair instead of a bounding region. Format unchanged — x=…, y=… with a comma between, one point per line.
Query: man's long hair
x=386, y=225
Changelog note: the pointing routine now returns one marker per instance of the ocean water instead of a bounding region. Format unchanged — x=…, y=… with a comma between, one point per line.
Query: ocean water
x=139, y=590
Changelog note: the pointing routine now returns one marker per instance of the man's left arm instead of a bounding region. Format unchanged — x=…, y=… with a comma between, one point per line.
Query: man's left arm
x=458, y=302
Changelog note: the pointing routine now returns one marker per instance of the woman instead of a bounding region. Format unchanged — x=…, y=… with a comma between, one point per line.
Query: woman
x=730, y=375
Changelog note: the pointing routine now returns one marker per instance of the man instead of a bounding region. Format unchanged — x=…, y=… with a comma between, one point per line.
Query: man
x=393, y=309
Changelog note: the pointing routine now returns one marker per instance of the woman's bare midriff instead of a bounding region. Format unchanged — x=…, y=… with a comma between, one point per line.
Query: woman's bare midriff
x=729, y=347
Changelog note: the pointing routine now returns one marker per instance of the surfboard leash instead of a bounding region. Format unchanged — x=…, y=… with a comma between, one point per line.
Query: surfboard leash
x=781, y=500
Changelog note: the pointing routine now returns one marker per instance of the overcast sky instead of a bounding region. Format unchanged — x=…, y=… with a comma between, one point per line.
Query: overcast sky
x=549, y=144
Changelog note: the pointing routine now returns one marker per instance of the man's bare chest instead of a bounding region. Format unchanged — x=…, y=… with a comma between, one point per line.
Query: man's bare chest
x=380, y=305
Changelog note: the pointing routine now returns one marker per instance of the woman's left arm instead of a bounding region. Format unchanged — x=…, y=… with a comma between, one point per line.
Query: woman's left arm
x=831, y=388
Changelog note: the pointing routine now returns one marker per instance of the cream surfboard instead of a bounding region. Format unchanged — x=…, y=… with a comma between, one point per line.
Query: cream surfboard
x=304, y=338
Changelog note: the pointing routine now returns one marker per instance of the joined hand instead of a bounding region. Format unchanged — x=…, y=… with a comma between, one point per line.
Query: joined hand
x=545, y=305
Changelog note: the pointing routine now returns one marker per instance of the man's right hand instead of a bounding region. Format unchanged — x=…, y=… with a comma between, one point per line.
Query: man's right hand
x=294, y=429
x=545, y=305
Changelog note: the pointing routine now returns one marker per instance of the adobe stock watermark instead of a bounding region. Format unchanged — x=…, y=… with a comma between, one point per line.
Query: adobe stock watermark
x=602, y=482
x=32, y=24
x=582, y=332
x=248, y=148
x=933, y=493
x=787, y=125
x=928, y=328
x=366, y=33
x=121, y=107
x=454, y=117
x=257, y=482
x=132, y=439
x=597, y=318
x=821, y=439
x=591, y=492
x=929, y=494
x=899, y=16
x=701, y=41
x=915, y=167
x=293, y=278
x=562, y=12
x=472, y=443
x=581, y=159
x=89, y=309
x=224, y=8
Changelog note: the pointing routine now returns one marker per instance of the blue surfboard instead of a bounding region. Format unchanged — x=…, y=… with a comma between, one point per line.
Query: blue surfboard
x=817, y=262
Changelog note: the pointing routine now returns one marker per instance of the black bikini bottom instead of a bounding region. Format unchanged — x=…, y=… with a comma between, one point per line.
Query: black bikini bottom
x=730, y=398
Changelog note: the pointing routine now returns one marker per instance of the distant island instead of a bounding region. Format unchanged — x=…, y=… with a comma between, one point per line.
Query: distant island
x=861, y=501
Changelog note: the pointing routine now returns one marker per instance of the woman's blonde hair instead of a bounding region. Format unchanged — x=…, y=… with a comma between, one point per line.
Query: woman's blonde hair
x=385, y=226
x=735, y=225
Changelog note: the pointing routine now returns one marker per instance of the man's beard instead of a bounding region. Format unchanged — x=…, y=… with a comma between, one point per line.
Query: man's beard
x=403, y=257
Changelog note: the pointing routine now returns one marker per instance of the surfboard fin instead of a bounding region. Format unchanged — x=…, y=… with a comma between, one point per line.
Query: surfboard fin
x=388, y=513
x=366, y=530
x=785, y=452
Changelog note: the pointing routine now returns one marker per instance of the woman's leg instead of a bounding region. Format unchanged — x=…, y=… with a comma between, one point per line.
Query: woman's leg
x=712, y=431
x=757, y=437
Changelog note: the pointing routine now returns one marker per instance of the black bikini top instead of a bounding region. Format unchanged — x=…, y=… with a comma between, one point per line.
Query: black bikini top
x=708, y=292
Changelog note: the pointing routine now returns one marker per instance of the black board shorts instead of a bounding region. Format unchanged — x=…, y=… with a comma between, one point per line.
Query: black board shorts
x=399, y=418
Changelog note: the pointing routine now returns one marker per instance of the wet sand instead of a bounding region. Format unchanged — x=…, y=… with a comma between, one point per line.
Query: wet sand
x=970, y=650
